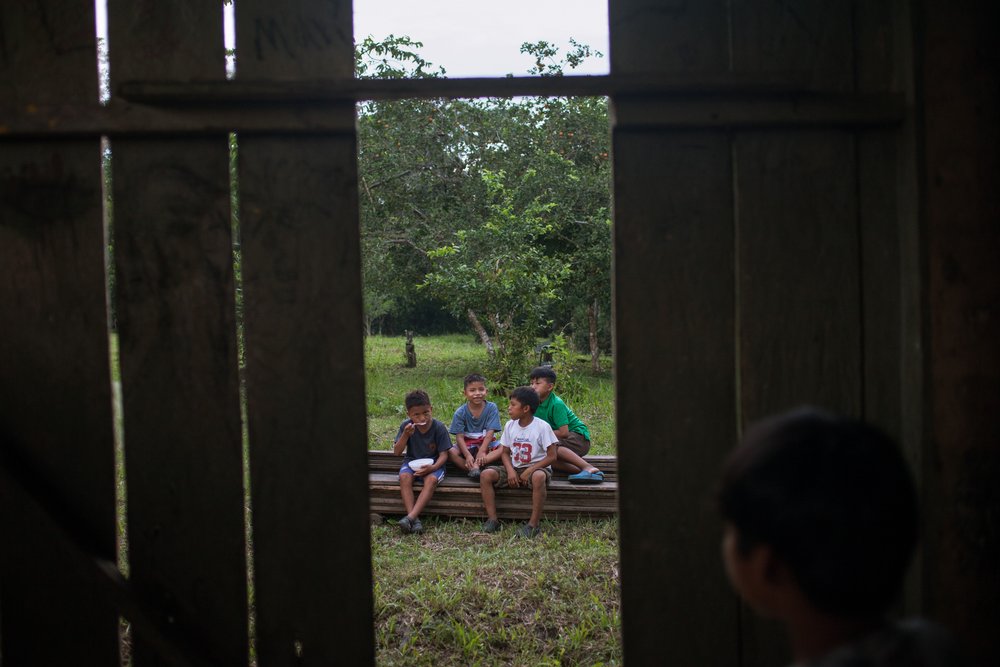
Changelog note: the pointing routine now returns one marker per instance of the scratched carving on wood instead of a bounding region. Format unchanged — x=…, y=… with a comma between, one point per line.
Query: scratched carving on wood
x=291, y=37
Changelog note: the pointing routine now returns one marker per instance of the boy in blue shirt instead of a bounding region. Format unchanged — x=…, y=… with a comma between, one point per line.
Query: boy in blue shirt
x=473, y=425
x=421, y=437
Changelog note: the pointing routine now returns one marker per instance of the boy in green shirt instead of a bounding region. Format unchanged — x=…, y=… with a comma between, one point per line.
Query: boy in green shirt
x=574, y=437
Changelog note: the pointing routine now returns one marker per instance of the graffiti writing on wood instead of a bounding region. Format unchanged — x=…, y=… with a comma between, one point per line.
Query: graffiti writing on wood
x=291, y=37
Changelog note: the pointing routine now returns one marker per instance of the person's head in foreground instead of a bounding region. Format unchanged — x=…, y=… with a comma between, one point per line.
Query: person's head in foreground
x=820, y=519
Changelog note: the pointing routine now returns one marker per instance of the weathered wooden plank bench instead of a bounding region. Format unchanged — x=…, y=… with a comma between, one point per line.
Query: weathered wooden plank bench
x=458, y=496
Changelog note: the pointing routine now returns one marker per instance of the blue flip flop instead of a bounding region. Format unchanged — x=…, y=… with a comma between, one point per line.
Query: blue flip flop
x=587, y=477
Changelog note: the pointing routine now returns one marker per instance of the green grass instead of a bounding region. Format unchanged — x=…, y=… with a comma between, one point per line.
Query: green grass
x=442, y=362
x=458, y=596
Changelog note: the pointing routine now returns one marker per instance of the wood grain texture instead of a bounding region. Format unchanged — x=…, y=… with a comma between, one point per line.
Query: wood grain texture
x=810, y=38
x=675, y=377
x=665, y=36
x=177, y=337
x=799, y=303
x=306, y=407
x=960, y=169
x=55, y=385
x=799, y=293
x=305, y=366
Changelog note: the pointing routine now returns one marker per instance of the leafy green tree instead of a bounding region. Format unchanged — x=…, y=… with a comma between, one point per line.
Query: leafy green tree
x=422, y=165
x=497, y=274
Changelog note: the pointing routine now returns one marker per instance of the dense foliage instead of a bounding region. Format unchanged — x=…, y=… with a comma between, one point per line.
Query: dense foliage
x=488, y=215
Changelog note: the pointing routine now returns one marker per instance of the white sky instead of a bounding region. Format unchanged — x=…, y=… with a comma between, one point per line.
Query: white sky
x=472, y=37
x=484, y=37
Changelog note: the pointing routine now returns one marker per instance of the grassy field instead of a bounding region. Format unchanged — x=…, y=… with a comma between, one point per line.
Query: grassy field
x=442, y=362
x=458, y=596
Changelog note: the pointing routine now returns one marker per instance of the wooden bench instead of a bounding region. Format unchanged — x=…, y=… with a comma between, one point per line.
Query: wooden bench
x=459, y=496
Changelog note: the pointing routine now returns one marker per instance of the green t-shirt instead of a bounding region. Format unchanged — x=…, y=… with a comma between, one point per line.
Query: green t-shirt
x=555, y=411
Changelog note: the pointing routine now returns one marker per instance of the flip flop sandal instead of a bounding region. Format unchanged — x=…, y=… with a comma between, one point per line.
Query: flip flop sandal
x=587, y=477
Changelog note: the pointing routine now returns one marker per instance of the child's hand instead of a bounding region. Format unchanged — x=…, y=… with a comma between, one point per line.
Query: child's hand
x=512, y=480
x=422, y=471
x=526, y=476
x=409, y=429
x=469, y=461
x=481, y=459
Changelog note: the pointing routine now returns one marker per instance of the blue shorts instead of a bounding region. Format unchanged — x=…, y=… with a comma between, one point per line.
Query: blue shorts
x=418, y=479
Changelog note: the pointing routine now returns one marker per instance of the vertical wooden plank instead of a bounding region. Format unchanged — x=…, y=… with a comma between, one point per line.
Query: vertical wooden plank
x=305, y=367
x=675, y=373
x=653, y=36
x=807, y=38
x=957, y=89
x=674, y=345
x=177, y=334
x=884, y=343
x=55, y=386
x=798, y=293
x=798, y=244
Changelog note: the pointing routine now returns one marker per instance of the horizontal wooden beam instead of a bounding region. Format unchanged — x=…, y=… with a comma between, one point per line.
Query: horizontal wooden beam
x=315, y=107
x=240, y=92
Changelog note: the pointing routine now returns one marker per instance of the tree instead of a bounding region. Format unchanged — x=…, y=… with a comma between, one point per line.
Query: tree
x=423, y=172
x=497, y=274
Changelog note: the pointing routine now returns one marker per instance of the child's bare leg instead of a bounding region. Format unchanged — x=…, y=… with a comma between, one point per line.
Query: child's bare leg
x=486, y=482
x=406, y=490
x=571, y=462
x=456, y=457
x=538, y=494
x=430, y=483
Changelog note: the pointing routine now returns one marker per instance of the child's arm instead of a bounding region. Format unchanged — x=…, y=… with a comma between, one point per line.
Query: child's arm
x=442, y=458
x=562, y=431
x=551, y=454
x=512, y=480
x=399, y=446
x=484, y=449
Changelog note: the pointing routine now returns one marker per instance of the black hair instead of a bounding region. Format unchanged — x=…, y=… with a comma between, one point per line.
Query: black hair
x=472, y=377
x=833, y=498
x=544, y=372
x=415, y=398
x=526, y=396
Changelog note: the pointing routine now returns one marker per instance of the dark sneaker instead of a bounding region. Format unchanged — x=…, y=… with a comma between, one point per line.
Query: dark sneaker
x=491, y=526
x=406, y=525
x=474, y=473
x=527, y=530
x=417, y=527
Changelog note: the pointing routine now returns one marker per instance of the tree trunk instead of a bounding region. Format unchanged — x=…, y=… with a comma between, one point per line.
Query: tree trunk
x=483, y=336
x=595, y=350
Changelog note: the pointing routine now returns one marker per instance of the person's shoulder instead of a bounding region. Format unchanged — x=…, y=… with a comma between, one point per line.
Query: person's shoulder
x=913, y=642
x=491, y=404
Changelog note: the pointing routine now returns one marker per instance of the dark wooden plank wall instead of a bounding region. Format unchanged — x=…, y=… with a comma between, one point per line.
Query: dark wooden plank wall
x=177, y=339
x=805, y=268
x=55, y=386
x=305, y=366
x=674, y=344
x=959, y=93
